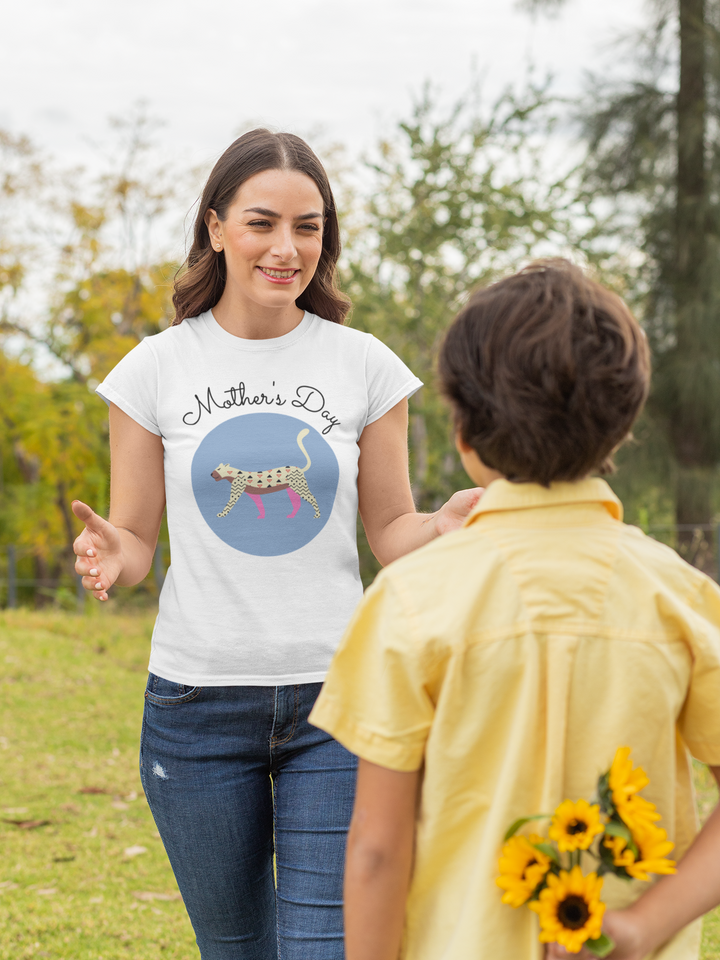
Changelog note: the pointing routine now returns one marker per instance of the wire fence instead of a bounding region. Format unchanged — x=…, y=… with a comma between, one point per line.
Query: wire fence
x=697, y=543
x=65, y=589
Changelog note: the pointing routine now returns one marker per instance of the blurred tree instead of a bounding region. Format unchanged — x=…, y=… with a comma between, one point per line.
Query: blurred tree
x=21, y=174
x=53, y=448
x=654, y=152
x=455, y=200
x=107, y=296
x=110, y=287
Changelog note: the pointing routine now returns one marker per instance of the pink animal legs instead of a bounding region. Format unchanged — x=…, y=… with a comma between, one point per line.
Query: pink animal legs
x=258, y=503
x=295, y=501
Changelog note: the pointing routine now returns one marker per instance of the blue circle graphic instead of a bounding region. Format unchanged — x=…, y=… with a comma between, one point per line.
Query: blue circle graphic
x=279, y=521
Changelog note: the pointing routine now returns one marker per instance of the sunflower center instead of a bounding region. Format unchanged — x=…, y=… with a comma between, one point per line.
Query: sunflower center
x=576, y=826
x=573, y=912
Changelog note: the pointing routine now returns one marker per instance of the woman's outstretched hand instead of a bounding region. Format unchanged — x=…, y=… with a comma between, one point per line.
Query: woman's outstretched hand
x=453, y=514
x=98, y=551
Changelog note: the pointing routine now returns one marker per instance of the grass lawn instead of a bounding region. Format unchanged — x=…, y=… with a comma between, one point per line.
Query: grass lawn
x=92, y=882
x=83, y=875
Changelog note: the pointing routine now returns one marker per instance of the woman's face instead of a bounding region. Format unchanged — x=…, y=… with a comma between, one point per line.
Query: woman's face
x=272, y=238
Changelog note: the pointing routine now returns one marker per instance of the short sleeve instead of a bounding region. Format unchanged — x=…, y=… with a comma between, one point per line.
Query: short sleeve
x=699, y=721
x=133, y=386
x=375, y=698
x=388, y=380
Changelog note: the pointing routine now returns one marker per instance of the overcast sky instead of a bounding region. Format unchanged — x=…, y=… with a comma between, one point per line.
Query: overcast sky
x=206, y=68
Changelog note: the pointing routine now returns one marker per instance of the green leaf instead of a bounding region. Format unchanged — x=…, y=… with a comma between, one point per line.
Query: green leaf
x=548, y=850
x=617, y=829
x=601, y=946
x=605, y=795
x=513, y=829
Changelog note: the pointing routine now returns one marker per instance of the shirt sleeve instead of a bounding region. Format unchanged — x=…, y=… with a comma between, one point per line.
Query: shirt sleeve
x=699, y=721
x=388, y=380
x=376, y=699
x=133, y=386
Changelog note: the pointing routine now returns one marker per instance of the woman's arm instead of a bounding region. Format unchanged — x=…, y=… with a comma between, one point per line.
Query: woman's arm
x=387, y=509
x=378, y=861
x=669, y=905
x=121, y=550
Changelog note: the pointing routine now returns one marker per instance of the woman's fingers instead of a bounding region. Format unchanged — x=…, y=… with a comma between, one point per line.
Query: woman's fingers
x=93, y=523
x=95, y=586
x=82, y=511
x=86, y=563
x=86, y=549
x=463, y=501
x=86, y=558
x=92, y=580
x=85, y=513
x=84, y=545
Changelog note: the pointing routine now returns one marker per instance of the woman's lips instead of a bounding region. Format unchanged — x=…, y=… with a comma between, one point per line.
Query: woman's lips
x=283, y=277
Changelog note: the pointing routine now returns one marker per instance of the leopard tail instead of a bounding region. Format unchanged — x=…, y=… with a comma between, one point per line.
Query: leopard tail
x=299, y=438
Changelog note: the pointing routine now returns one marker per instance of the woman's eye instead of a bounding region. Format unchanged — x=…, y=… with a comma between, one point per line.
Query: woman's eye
x=259, y=223
x=310, y=226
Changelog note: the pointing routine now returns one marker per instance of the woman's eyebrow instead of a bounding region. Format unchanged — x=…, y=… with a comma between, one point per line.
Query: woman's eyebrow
x=271, y=213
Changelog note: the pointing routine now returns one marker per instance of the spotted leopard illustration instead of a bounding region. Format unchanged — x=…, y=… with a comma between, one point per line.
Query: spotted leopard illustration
x=258, y=483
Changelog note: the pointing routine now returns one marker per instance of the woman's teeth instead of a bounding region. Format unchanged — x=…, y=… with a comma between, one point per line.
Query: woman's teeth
x=279, y=274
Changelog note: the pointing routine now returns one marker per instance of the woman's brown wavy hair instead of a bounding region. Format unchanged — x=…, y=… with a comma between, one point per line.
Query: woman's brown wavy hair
x=200, y=282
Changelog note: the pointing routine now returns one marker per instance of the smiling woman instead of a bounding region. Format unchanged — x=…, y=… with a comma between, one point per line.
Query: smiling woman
x=264, y=423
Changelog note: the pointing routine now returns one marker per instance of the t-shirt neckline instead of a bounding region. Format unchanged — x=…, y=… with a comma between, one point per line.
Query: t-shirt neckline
x=239, y=343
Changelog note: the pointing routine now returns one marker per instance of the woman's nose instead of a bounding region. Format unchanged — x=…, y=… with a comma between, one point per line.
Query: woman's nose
x=283, y=246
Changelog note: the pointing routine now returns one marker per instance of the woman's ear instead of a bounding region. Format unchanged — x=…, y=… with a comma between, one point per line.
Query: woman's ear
x=214, y=227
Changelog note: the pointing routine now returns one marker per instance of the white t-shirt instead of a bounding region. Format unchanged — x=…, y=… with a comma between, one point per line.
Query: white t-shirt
x=261, y=453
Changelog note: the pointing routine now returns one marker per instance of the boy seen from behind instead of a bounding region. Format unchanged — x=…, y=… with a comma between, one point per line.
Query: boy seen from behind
x=495, y=672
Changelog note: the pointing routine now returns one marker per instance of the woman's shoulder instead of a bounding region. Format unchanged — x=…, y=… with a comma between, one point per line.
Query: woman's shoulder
x=359, y=343
x=340, y=332
x=174, y=336
x=359, y=346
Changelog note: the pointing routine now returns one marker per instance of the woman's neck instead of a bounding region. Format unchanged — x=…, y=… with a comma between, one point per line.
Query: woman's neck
x=252, y=321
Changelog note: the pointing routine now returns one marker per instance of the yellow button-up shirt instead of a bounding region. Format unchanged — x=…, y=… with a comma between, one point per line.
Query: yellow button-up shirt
x=512, y=658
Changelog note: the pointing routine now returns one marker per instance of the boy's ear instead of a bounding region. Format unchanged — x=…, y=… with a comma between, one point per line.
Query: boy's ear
x=460, y=445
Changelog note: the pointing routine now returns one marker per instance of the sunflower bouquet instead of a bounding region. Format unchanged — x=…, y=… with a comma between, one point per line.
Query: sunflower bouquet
x=618, y=831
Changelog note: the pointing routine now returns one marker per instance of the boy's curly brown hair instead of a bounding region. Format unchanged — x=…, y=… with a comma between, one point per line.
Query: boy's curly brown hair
x=546, y=372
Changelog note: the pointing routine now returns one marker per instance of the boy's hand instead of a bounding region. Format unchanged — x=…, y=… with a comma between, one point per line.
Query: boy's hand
x=618, y=925
x=453, y=514
x=668, y=905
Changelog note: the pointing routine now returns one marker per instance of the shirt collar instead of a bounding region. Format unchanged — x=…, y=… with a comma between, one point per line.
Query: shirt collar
x=503, y=495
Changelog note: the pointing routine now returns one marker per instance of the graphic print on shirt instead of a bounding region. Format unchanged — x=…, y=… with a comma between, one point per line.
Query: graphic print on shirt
x=261, y=454
x=288, y=478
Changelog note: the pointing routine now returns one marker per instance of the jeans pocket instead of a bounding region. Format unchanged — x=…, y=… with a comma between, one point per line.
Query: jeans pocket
x=164, y=692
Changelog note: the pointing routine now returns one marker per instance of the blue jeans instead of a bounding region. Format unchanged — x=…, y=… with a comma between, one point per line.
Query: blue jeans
x=234, y=775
